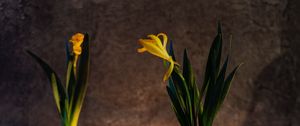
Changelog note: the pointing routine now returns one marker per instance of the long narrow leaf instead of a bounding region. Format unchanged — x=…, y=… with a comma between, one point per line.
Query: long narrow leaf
x=215, y=94
x=193, y=89
x=68, y=52
x=58, y=89
x=227, y=84
x=210, y=85
x=70, y=85
x=177, y=106
x=171, y=51
x=187, y=70
x=213, y=61
x=182, y=88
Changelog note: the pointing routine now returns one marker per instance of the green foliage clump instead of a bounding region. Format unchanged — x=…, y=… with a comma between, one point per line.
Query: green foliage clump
x=194, y=106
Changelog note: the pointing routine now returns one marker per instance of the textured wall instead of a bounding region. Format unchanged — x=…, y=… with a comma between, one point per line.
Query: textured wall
x=125, y=88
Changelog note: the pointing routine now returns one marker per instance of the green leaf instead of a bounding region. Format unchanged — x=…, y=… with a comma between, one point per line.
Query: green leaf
x=220, y=84
x=214, y=94
x=68, y=52
x=57, y=88
x=227, y=83
x=176, y=103
x=222, y=94
x=213, y=62
x=70, y=77
x=209, y=103
x=171, y=51
x=193, y=89
x=183, y=90
x=187, y=70
x=211, y=85
x=70, y=85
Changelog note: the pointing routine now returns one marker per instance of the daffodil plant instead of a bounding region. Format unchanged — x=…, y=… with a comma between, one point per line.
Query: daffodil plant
x=69, y=98
x=193, y=106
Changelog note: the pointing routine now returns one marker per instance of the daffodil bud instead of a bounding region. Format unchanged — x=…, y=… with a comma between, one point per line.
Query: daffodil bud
x=77, y=40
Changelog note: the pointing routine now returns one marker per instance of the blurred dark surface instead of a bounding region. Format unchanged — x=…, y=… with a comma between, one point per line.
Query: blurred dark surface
x=126, y=88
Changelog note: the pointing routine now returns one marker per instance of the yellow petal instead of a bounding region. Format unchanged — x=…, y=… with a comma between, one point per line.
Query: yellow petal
x=77, y=50
x=141, y=50
x=154, y=49
x=157, y=41
x=147, y=40
x=165, y=39
x=77, y=39
x=169, y=72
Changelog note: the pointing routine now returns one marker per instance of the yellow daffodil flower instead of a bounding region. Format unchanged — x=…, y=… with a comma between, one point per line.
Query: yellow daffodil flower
x=155, y=47
x=77, y=40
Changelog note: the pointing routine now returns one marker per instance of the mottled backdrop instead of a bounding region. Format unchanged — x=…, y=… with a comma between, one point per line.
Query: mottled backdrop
x=125, y=88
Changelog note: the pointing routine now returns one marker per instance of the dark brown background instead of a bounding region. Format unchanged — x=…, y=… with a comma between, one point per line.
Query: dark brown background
x=125, y=88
